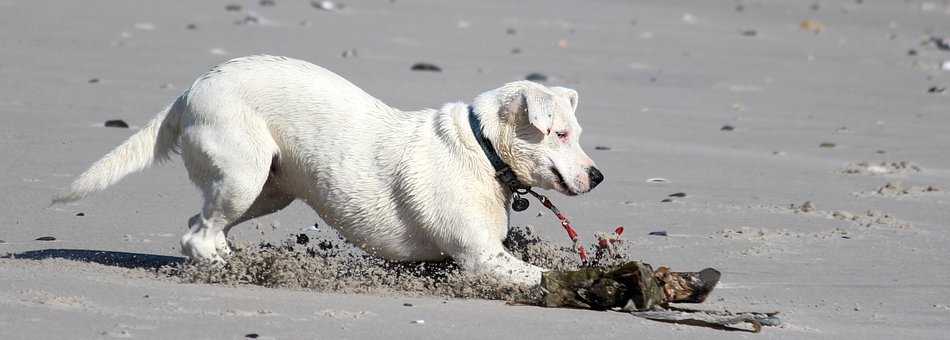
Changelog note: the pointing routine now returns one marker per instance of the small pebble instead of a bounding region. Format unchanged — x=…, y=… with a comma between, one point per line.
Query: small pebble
x=267, y=3
x=252, y=335
x=350, y=53
x=826, y=145
x=144, y=26
x=511, y=31
x=749, y=33
x=727, y=128
x=191, y=26
x=601, y=147
x=407, y=304
x=233, y=7
x=515, y=50
x=678, y=194
x=2, y=241
x=303, y=239
x=418, y=322
x=666, y=200
x=117, y=123
x=659, y=233
x=812, y=26
x=657, y=180
x=93, y=80
x=426, y=67
x=538, y=77
x=936, y=89
x=80, y=214
x=324, y=5
x=46, y=238
x=912, y=52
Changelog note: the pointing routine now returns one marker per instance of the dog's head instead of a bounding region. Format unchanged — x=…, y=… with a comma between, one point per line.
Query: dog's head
x=535, y=131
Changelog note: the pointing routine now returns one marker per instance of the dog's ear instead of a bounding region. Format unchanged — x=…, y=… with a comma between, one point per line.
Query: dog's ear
x=569, y=93
x=536, y=103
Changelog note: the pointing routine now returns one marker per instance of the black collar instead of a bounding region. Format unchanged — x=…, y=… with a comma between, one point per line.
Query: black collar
x=502, y=172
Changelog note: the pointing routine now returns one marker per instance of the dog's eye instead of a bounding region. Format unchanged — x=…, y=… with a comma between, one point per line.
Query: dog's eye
x=562, y=135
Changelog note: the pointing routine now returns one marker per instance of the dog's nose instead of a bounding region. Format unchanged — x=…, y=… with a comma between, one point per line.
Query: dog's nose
x=595, y=176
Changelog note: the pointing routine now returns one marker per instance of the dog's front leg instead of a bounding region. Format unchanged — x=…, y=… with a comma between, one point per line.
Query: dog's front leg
x=494, y=260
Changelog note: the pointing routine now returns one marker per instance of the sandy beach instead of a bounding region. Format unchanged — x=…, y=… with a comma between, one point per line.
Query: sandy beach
x=749, y=108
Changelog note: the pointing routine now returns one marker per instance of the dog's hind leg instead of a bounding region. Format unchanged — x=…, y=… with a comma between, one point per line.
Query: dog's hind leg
x=230, y=163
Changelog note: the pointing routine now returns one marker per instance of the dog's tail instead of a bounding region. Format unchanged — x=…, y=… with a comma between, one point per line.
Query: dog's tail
x=154, y=142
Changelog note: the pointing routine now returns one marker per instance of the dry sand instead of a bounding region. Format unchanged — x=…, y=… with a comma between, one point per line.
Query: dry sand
x=751, y=108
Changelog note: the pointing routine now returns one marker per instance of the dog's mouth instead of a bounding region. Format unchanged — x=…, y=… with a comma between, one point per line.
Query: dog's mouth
x=559, y=182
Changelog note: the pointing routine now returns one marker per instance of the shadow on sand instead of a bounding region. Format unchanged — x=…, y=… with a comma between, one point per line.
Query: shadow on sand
x=109, y=258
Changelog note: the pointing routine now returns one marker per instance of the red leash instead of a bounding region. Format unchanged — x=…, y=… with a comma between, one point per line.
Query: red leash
x=605, y=241
x=571, y=233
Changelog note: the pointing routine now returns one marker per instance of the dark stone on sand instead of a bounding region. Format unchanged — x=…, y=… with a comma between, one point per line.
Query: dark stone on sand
x=252, y=335
x=826, y=145
x=912, y=52
x=2, y=241
x=880, y=152
x=942, y=44
x=93, y=80
x=407, y=304
x=192, y=26
x=749, y=33
x=666, y=200
x=117, y=123
x=233, y=7
x=511, y=31
x=267, y=3
x=46, y=238
x=936, y=89
x=659, y=233
x=678, y=194
x=80, y=214
x=727, y=128
x=601, y=147
x=538, y=77
x=426, y=67
x=303, y=239
x=515, y=50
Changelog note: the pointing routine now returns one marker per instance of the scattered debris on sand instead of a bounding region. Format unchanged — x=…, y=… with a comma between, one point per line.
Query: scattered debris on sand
x=806, y=207
x=881, y=168
x=893, y=189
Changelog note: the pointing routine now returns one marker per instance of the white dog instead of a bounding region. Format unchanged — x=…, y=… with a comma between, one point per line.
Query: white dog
x=258, y=132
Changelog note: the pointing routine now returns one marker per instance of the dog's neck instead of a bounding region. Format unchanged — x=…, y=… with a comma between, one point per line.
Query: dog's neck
x=502, y=171
x=453, y=120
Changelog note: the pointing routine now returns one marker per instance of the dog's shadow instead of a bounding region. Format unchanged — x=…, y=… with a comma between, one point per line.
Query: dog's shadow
x=104, y=257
